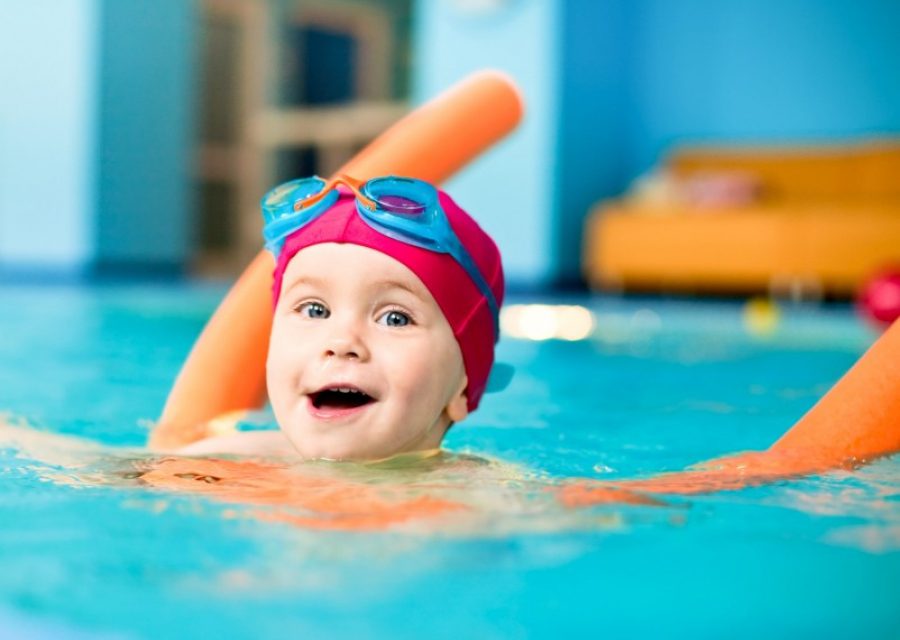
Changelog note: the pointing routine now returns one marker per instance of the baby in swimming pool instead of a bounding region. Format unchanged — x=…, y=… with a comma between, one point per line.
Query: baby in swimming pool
x=386, y=298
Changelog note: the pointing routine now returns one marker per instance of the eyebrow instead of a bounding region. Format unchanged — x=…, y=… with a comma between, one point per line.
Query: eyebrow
x=301, y=281
x=384, y=285
x=381, y=285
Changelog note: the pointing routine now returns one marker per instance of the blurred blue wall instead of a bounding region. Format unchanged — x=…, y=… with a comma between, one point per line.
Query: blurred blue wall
x=48, y=110
x=594, y=115
x=613, y=84
x=146, y=136
x=96, y=139
x=767, y=70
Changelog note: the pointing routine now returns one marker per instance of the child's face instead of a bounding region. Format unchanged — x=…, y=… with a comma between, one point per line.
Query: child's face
x=352, y=318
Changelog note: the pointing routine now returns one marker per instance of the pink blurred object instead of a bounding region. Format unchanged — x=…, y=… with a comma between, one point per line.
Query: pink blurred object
x=879, y=299
x=721, y=189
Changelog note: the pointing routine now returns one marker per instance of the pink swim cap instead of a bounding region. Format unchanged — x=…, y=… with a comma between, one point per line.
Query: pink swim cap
x=465, y=308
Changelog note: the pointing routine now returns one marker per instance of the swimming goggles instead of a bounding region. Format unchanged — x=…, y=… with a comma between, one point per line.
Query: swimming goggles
x=405, y=209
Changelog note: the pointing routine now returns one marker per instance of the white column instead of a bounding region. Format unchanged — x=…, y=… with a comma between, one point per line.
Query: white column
x=509, y=190
x=48, y=66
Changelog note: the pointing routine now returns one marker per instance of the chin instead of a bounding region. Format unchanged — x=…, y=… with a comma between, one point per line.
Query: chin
x=321, y=451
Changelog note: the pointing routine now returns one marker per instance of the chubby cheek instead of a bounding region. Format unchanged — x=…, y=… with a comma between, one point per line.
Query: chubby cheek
x=283, y=370
x=420, y=376
x=281, y=382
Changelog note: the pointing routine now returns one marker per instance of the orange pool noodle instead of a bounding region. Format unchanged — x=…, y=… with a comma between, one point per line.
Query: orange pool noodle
x=225, y=370
x=857, y=420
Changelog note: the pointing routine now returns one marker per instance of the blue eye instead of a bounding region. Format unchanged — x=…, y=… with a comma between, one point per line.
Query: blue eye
x=315, y=310
x=395, y=319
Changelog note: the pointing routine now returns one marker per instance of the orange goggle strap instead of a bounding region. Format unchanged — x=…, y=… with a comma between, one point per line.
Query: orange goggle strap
x=350, y=182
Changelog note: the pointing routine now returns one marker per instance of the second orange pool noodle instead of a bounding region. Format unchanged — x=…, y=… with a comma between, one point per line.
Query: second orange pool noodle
x=857, y=421
x=225, y=371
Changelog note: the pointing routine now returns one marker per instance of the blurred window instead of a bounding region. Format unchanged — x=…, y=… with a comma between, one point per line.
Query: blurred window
x=287, y=88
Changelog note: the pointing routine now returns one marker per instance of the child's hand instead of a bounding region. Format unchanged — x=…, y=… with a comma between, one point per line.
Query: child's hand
x=170, y=437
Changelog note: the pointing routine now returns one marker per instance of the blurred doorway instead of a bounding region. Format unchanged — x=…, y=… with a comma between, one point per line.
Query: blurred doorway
x=288, y=88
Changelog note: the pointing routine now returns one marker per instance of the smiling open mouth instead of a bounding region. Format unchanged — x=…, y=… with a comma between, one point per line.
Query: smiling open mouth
x=340, y=398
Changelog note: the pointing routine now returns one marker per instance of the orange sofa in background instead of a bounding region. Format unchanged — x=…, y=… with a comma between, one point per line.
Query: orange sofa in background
x=747, y=220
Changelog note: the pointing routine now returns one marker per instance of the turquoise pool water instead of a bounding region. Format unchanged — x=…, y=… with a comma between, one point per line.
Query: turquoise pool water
x=657, y=386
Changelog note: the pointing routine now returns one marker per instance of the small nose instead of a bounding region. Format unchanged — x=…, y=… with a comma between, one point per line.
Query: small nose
x=342, y=348
x=346, y=343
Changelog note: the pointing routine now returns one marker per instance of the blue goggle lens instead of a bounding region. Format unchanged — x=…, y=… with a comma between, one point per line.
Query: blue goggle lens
x=404, y=196
x=279, y=202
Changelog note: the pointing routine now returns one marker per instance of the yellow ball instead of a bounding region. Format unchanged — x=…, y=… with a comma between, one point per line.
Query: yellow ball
x=761, y=316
